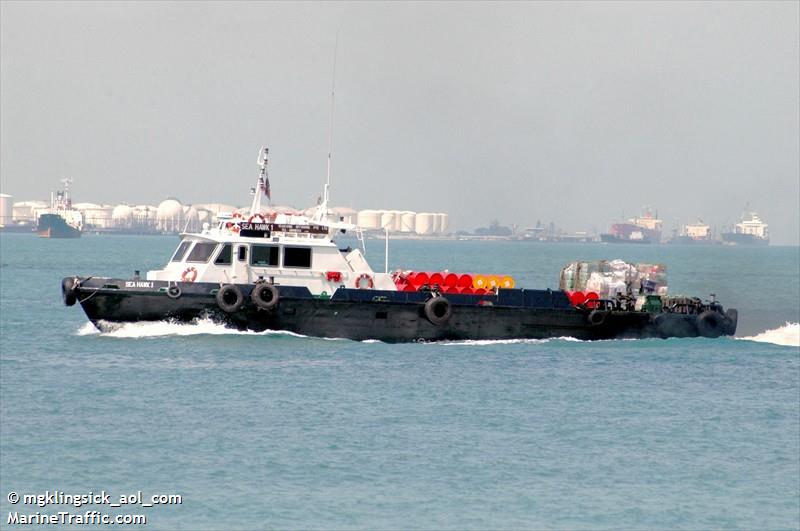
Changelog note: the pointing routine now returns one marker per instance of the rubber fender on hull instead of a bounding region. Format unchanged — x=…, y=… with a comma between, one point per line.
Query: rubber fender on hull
x=597, y=317
x=174, y=292
x=69, y=290
x=711, y=324
x=229, y=298
x=438, y=310
x=733, y=316
x=265, y=296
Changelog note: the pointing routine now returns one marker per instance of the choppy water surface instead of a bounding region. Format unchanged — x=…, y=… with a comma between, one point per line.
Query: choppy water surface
x=276, y=430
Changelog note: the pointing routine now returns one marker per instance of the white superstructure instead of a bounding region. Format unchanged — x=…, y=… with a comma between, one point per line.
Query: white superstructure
x=753, y=225
x=284, y=249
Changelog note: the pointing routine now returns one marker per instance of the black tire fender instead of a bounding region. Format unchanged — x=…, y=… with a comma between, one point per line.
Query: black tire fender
x=174, y=292
x=711, y=324
x=230, y=298
x=69, y=290
x=597, y=317
x=733, y=318
x=265, y=296
x=438, y=310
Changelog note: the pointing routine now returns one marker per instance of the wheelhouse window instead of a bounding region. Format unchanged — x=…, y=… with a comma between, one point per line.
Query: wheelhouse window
x=181, y=251
x=201, y=252
x=225, y=256
x=264, y=256
x=242, y=253
x=299, y=257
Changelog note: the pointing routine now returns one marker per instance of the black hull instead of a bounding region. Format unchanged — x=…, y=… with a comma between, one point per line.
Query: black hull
x=383, y=315
x=54, y=226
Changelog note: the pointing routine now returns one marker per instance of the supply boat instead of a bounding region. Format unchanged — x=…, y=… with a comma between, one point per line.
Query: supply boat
x=263, y=270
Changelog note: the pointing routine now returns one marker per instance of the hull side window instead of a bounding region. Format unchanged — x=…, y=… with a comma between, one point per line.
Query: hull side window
x=201, y=252
x=181, y=251
x=264, y=256
x=299, y=257
x=225, y=256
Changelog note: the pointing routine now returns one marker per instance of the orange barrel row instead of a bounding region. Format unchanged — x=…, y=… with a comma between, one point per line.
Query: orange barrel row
x=586, y=298
x=453, y=282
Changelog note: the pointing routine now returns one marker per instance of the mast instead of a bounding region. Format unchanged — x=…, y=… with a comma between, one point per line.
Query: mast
x=322, y=210
x=263, y=176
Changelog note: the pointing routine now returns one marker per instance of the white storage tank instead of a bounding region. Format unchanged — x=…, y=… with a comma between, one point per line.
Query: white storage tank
x=408, y=221
x=215, y=208
x=122, y=216
x=345, y=215
x=6, y=213
x=191, y=219
x=145, y=216
x=169, y=215
x=387, y=219
x=397, y=220
x=424, y=223
x=369, y=219
x=437, y=223
x=444, y=222
x=205, y=216
x=27, y=211
x=100, y=216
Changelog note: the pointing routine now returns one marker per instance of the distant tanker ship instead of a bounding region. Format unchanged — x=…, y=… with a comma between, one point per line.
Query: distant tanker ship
x=645, y=229
x=61, y=220
x=750, y=231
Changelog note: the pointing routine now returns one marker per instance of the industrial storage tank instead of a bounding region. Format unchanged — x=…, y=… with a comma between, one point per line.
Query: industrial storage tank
x=387, y=219
x=169, y=216
x=215, y=208
x=191, y=220
x=145, y=216
x=122, y=216
x=205, y=216
x=397, y=221
x=437, y=223
x=444, y=222
x=408, y=221
x=424, y=223
x=345, y=215
x=369, y=219
x=27, y=211
x=94, y=215
x=6, y=213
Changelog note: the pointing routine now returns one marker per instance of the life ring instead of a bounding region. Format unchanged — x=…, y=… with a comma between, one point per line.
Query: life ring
x=189, y=275
x=229, y=298
x=265, y=296
x=711, y=324
x=254, y=216
x=597, y=317
x=362, y=277
x=438, y=310
x=173, y=292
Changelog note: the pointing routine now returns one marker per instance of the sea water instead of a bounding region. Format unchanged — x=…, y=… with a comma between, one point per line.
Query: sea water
x=275, y=430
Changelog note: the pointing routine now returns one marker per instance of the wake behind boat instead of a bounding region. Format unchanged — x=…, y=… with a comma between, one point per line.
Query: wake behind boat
x=284, y=271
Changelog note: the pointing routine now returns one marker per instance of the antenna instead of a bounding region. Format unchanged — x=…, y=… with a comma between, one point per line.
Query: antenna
x=322, y=209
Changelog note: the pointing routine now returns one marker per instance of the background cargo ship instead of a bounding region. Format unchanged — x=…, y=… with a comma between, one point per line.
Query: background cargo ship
x=750, y=231
x=61, y=220
x=645, y=229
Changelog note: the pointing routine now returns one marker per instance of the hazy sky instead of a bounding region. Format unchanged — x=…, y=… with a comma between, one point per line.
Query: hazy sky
x=570, y=112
